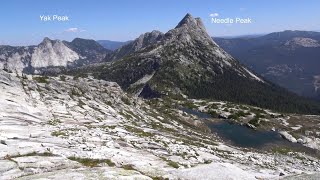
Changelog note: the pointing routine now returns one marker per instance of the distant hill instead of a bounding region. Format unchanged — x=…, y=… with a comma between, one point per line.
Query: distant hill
x=289, y=58
x=112, y=45
x=242, y=36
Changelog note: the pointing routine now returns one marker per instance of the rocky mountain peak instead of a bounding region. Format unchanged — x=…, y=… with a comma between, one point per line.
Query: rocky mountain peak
x=190, y=29
x=46, y=41
x=147, y=39
x=144, y=40
x=188, y=19
x=191, y=22
x=49, y=43
x=185, y=59
x=52, y=53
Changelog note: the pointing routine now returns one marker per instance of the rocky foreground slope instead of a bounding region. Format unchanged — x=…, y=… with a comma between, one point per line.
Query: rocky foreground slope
x=83, y=128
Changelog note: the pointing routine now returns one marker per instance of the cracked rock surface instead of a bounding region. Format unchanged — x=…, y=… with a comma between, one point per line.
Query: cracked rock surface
x=81, y=128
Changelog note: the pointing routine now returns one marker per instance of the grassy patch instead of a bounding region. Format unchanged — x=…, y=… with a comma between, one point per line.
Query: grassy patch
x=75, y=92
x=173, y=164
x=58, y=133
x=258, y=111
x=92, y=162
x=110, y=127
x=256, y=120
x=128, y=167
x=126, y=100
x=81, y=103
x=54, y=122
x=29, y=154
x=159, y=178
x=238, y=114
x=39, y=154
x=138, y=131
x=132, y=114
x=127, y=116
x=213, y=113
x=109, y=103
x=63, y=78
x=207, y=161
x=281, y=150
x=109, y=162
x=41, y=79
x=190, y=105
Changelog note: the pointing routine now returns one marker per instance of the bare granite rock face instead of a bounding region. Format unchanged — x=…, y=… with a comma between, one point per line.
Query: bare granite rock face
x=51, y=54
x=141, y=42
x=288, y=136
x=302, y=42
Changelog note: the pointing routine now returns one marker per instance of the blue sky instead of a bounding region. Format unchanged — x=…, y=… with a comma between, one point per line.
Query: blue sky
x=123, y=20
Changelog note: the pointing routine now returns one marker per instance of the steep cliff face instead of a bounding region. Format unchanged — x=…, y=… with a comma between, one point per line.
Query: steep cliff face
x=51, y=54
x=15, y=58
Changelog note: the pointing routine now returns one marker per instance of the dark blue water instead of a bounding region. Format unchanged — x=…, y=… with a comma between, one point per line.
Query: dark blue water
x=237, y=134
x=242, y=136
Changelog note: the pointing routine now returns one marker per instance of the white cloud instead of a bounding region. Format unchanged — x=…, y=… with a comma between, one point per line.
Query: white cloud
x=214, y=15
x=74, y=30
x=242, y=9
